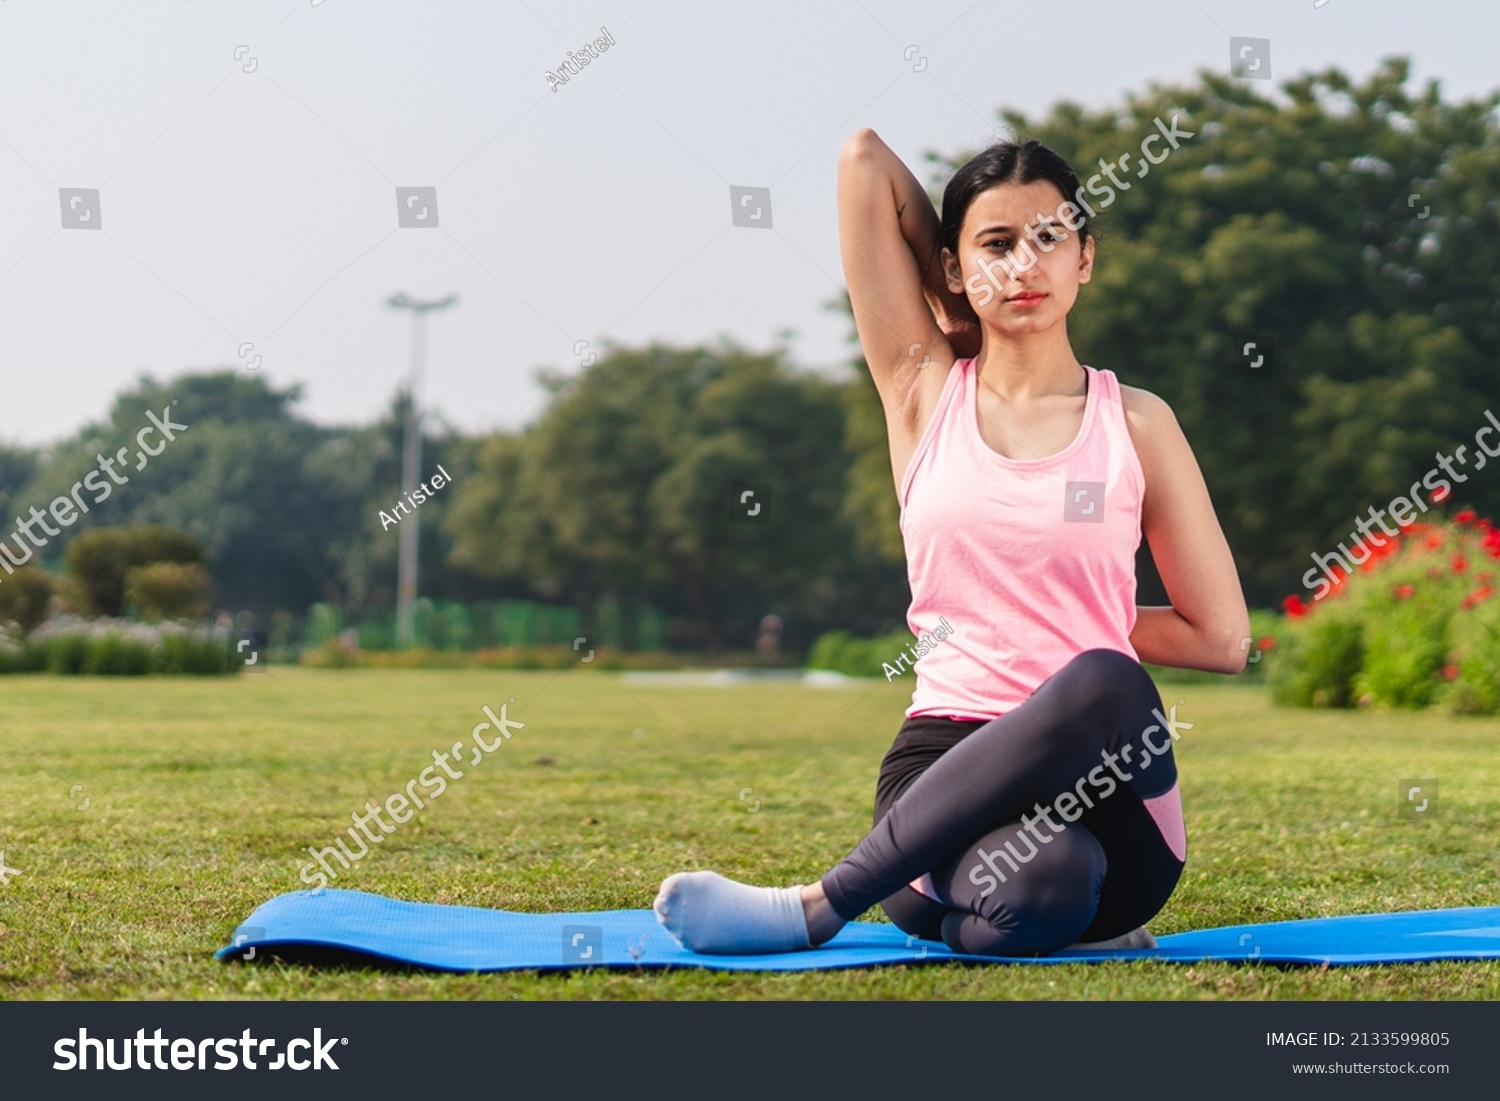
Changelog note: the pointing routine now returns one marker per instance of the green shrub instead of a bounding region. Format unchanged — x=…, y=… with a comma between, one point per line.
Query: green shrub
x=115, y=654
x=113, y=647
x=16, y=656
x=842, y=652
x=1406, y=643
x=99, y=561
x=196, y=651
x=827, y=650
x=168, y=590
x=1317, y=658
x=23, y=597
x=66, y=653
x=1472, y=682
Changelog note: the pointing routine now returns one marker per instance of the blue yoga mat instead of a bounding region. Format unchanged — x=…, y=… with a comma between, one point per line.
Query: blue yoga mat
x=467, y=938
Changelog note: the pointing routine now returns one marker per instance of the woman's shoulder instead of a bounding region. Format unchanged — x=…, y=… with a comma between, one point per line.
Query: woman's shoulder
x=1152, y=425
x=1144, y=410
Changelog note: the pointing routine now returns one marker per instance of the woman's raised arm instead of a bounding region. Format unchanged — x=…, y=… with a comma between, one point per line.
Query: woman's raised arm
x=888, y=236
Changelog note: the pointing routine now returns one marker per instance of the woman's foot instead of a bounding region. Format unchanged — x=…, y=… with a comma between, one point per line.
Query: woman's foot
x=1136, y=938
x=705, y=912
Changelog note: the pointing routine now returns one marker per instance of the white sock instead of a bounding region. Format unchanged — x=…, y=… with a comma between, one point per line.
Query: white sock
x=705, y=912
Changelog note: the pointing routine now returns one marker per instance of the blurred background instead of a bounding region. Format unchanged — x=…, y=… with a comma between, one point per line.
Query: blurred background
x=657, y=431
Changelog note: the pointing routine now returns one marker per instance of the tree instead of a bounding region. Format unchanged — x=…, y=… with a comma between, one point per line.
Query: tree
x=624, y=486
x=287, y=510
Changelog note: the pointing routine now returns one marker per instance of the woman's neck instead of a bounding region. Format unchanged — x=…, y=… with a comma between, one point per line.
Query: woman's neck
x=1029, y=368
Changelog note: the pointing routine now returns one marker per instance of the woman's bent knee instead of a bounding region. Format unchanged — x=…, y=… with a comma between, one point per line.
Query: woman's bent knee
x=1096, y=677
x=915, y=914
x=1043, y=906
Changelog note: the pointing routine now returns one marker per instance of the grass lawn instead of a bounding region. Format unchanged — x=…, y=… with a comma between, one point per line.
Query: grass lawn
x=202, y=795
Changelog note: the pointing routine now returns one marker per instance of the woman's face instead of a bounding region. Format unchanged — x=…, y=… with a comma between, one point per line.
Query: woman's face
x=1020, y=282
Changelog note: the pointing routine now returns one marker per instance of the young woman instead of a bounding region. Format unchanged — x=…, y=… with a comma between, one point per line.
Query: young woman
x=1030, y=799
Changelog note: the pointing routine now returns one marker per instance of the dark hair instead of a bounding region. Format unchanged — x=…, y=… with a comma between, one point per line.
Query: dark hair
x=1002, y=163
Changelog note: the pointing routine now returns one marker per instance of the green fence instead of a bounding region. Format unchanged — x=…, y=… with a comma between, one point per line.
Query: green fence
x=450, y=625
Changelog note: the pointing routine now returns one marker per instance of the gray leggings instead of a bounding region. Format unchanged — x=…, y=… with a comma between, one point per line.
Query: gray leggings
x=960, y=801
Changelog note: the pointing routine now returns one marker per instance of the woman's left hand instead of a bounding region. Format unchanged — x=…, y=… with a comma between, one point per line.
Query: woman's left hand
x=959, y=324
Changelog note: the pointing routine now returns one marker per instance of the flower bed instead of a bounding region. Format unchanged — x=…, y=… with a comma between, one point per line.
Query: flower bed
x=118, y=647
x=1415, y=625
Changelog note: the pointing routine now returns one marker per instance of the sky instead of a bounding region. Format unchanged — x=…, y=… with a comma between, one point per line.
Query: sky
x=247, y=156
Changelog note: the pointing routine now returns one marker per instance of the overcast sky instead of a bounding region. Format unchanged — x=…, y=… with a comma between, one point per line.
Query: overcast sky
x=249, y=196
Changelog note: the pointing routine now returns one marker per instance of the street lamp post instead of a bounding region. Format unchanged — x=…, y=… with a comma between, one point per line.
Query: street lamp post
x=411, y=464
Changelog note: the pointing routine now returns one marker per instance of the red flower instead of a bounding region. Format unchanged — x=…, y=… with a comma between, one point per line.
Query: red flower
x=1266, y=643
x=1478, y=596
x=1435, y=540
x=1464, y=517
x=1441, y=494
x=1450, y=672
x=1294, y=607
x=1404, y=592
x=1460, y=563
x=1484, y=575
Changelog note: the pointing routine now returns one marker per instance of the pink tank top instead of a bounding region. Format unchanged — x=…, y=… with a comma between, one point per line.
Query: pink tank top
x=1016, y=565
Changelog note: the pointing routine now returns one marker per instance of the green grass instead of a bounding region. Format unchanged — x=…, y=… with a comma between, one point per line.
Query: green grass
x=202, y=795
